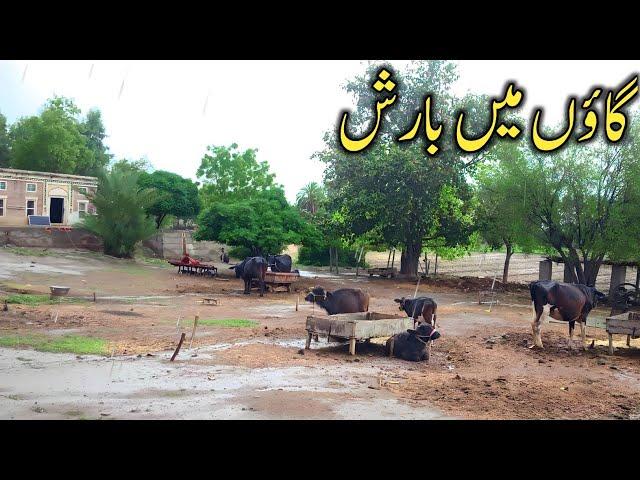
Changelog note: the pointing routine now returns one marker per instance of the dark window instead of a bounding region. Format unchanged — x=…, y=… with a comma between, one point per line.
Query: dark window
x=31, y=207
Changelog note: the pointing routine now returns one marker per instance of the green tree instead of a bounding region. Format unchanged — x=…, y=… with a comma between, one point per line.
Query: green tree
x=395, y=192
x=121, y=220
x=226, y=172
x=581, y=203
x=501, y=202
x=177, y=196
x=55, y=141
x=263, y=223
x=94, y=132
x=310, y=198
x=5, y=145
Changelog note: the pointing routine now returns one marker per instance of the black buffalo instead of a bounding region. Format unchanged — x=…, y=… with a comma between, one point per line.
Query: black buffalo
x=250, y=268
x=569, y=302
x=414, y=307
x=345, y=300
x=413, y=345
x=280, y=263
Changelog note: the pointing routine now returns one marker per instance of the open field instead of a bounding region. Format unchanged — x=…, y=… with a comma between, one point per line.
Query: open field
x=110, y=358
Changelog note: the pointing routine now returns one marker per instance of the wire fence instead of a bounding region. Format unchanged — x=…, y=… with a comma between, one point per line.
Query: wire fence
x=522, y=268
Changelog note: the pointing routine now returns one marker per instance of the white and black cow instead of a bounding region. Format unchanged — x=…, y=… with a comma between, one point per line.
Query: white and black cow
x=570, y=302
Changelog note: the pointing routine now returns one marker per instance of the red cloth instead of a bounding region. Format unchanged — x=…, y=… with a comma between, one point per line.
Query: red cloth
x=190, y=261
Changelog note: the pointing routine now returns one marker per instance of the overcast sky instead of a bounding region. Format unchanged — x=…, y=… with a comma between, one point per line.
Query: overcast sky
x=169, y=111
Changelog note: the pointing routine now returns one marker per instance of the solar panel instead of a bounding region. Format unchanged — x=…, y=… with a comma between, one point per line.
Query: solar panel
x=40, y=220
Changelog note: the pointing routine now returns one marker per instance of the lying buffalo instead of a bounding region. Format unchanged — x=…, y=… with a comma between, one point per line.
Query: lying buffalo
x=414, y=307
x=250, y=268
x=345, y=300
x=569, y=302
x=412, y=345
x=280, y=263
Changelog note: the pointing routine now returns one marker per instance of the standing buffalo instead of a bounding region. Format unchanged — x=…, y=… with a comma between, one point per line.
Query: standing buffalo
x=414, y=307
x=250, y=268
x=412, y=345
x=280, y=263
x=569, y=302
x=345, y=300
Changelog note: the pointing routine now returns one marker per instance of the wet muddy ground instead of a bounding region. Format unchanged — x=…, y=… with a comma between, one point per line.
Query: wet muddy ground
x=482, y=367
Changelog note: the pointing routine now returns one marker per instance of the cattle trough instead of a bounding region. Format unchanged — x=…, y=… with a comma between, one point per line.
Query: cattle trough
x=384, y=272
x=274, y=280
x=354, y=327
x=624, y=324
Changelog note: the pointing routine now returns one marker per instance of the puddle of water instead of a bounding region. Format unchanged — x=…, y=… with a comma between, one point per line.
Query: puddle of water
x=154, y=388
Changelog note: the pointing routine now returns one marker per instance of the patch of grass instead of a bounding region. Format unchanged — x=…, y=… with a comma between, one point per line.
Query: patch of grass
x=34, y=300
x=64, y=344
x=29, y=252
x=157, y=262
x=227, y=322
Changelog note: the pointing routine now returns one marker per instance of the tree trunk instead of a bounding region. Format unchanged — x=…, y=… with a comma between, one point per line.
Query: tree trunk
x=410, y=258
x=507, y=260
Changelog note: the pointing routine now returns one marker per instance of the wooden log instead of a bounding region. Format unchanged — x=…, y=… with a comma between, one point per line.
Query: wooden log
x=610, y=344
x=193, y=332
x=175, y=354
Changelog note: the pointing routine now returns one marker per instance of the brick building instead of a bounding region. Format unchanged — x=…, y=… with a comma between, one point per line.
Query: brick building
x=61, y=197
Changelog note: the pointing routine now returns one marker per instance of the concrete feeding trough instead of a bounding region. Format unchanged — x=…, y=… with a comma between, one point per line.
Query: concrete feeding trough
x=57, y=291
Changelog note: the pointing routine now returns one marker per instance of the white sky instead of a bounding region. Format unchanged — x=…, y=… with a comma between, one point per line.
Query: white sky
x=282, y=108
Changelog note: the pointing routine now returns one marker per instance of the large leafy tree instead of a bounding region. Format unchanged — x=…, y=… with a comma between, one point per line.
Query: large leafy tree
x=177, y=196
x=581, y=203
x=396, y=193
x=121, y=220
x=264, y=223
x=5, y=146
x=227, y=172
x=56, y=141
x=94, y=132
x=500, y=212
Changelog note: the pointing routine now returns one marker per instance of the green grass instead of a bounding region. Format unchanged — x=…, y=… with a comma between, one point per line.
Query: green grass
x=31, y=252
x=157, y=262
x=227, y=322
x=35, y=300
x=65, y=344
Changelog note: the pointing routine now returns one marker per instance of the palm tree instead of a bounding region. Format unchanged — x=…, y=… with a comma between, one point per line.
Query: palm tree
x=310, y=197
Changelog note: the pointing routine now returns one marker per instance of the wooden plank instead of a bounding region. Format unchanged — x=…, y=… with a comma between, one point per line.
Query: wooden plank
x=624, y=331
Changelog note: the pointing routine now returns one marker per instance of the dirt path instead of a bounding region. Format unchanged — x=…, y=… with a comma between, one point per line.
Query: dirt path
x=482, y=367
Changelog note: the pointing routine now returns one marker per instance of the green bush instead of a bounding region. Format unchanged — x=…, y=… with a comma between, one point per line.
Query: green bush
x=319, y=256
x=239, y=252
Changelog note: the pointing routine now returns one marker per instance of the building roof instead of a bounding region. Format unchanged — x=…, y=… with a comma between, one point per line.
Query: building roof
x=47, y=175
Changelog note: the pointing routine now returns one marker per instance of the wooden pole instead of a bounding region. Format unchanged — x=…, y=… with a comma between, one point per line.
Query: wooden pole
x=393, y=259
x=336, y=258
x=178, y=347
x=330, y=259
x=389, y=258
x=193, y=332
x=435, y=268
x=297, y=301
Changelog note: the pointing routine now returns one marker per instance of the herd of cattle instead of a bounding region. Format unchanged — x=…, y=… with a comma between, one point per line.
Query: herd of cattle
x=568, y=302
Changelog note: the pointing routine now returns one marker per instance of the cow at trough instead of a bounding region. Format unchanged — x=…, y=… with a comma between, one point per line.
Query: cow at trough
x=280, y=263
x=569, y=302
x=250, y=268
x=413, y=345
x=414, y=307
x=345, y=300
